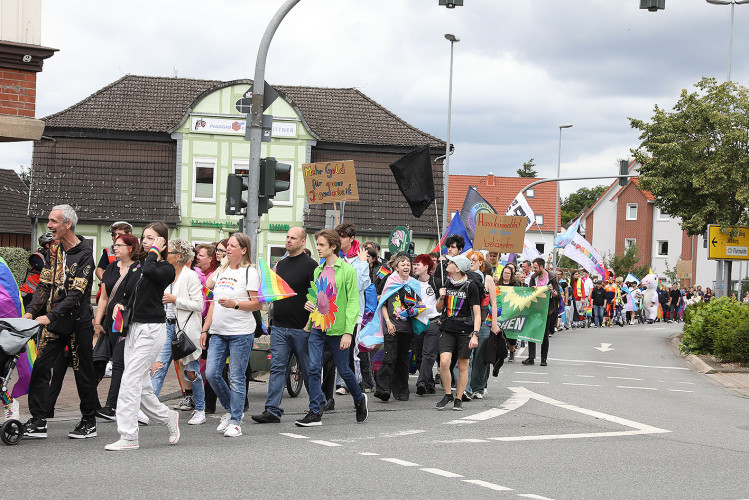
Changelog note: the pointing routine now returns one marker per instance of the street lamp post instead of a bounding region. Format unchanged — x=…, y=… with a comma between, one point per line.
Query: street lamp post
x=732, y=3
x=448, y=152
x=556, y=213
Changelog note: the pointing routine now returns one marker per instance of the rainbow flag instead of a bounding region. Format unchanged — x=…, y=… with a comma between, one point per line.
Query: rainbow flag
x=118, y=320
x=272, y=286
x=10, y=300
x=208, y=293
x=383, y=272
x=24, y=365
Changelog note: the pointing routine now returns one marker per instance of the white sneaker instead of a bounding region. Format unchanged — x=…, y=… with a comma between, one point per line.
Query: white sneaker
x=108, y=370
x=123, y=445
x=341, y=391
x=173, y=426
x=224, y=422
x=478, y=395
x=142, y=418
x=198, y=417
x=233, y=431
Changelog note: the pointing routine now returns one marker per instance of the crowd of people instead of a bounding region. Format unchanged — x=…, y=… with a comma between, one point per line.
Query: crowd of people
x=157, y=296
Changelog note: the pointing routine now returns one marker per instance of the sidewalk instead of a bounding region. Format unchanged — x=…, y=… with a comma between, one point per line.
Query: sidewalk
x=730, y=376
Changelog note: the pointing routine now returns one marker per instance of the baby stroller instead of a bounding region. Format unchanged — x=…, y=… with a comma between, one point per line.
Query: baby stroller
x=15, y=333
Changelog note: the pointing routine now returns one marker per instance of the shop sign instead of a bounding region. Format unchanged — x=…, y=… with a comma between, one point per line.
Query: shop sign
x=281, y=228
x=215, y=224
x=232, y=126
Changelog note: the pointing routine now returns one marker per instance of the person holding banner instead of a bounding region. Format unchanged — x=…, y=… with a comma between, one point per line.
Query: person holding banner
x=542, y=278
x=459, y=303
x=508, y=279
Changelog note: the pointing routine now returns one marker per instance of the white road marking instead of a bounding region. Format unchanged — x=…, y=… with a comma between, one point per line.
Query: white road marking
x=613, y=364
x=325, y=443
x=466, y=440
x=398, y=461
x=688, y=383
x=528, y=382
x=605, y=347
x=624, y=378
x=295, y=436
x=679, y=390
x=532, y=373
x=513, y=403
x=585, y=385
x=369, y=454
x=536, y=497
x=586, y=376
x=441, y=472
x=402, y=433
x=635, y=387
x=485, y=484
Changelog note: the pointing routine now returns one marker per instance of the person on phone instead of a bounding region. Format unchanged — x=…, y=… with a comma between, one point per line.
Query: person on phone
x=539, y=278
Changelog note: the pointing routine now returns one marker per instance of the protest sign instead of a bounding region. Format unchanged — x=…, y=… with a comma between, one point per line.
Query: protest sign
x=330, y=182
x=499, y=233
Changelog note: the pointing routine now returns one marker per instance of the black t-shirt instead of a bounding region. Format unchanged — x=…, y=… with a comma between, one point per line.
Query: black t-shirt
x=104, y=260
x=598, y=295
x=146, y=298
x=458, y=306
x=298, y=272
x=108, y=280
x=675, y=297
x=396, y=304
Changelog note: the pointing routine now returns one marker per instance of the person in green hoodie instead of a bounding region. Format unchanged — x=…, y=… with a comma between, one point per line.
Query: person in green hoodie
x=334, y=310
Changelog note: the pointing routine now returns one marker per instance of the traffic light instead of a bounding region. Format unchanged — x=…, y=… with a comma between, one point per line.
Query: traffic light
x=236, y=185
x=653, y=5
x=623, y=170
x=274, y=178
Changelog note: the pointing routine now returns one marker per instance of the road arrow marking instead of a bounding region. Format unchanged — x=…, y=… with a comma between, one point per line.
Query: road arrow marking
x=605, y=347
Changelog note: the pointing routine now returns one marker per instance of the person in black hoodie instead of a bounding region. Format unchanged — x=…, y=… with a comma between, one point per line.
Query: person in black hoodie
x=146, y=334
x=61, y=304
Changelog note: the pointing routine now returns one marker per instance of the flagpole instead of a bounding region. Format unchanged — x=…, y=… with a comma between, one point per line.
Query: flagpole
x=439, y=247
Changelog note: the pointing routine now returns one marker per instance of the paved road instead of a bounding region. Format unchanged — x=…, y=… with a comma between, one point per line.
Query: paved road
x=631, y=421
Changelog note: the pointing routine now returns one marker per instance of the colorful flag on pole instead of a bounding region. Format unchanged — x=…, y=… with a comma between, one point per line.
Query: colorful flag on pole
x=10, y=299
x=565, y=238
x=456, y=227
x=584, y=254
x=521, y=208
x=522, y=312
x=272, y=286
x=472, y=206
x=383, y=272
x=631, y=278
x=208, y=293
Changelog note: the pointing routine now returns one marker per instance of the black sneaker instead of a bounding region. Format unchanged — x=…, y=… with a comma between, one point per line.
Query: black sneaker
x=447, y=399
x=83, y=430
x=458, y=404
x=430, y=390
x=329, y=405
x=465, y=398
x=187, y=404
x=528, y=361
x=35, y=428
x=266, y=418
x=311, y=419
x=421, y=389
x=106, y=413
x=382, y=395
x=361, y=410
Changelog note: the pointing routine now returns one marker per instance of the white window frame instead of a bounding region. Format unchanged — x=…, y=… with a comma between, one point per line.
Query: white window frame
x=658, y=248
x=530, y=193
x=94, y=249
x=214, y=164
x=629, y=206
x=663, y=215
x=542, y=252
x=268, y=252
x=539, y=217
x=628, y=242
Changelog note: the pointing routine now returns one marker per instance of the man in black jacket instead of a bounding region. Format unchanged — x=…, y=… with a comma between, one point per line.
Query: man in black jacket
x=542, y=278
x=62, y=303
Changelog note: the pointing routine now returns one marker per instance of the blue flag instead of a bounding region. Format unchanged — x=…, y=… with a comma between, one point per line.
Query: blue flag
x=456, y=227
x=565, y=238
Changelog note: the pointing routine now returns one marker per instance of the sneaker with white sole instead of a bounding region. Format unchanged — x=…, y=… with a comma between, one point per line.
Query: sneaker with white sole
x=341, y=391
x=187, y=404
x=311, y=419
x=361, y=410
x=198, y=417
x=233, y=430
x=123, y=445
x=35, y=428
x=84, y=429
x=478, y=395
x=173, y=426
x=224, y=423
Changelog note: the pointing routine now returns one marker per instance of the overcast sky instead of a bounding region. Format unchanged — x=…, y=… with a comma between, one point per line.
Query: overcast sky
x=522, y=67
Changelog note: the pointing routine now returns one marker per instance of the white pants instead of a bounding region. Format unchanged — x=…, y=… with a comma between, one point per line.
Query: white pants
x=142, y=347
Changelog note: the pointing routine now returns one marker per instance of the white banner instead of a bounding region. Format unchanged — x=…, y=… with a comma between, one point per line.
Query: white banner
x=584, y=254
x=231, y=126
x=520, y=207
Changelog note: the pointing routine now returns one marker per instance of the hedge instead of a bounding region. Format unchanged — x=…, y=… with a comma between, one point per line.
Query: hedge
x=720, y=328
x=18, y=262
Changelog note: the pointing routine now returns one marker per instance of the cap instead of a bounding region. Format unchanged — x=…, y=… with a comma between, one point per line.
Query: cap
x=461, y=261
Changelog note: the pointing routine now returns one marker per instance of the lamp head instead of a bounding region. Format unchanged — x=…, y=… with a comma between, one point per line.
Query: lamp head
x=565, y=126
x=452, y=37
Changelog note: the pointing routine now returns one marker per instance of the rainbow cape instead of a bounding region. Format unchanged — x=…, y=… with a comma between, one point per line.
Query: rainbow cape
x=272, y=286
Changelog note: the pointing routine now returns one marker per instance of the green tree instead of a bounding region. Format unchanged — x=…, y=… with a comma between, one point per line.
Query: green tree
x=695, y=159
x=527, y=170
x=628, y=262
x=25, y=175
x=579, y=201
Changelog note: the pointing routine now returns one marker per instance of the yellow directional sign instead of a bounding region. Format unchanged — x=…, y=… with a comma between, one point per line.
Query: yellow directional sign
x=724, y=246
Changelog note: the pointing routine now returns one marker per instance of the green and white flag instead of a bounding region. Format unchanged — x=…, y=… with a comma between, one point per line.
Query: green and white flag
x=522, y=312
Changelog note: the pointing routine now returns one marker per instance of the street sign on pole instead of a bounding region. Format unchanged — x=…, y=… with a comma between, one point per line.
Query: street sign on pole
x=733, y=245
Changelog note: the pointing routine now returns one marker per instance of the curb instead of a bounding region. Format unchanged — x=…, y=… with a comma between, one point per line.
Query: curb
x=699, y=365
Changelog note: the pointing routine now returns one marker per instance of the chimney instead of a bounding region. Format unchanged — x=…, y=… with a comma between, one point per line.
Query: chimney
x=490, y=179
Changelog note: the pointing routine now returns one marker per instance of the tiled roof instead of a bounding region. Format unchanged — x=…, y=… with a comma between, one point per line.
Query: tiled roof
x=14, y=201
x=647, y=194
x=158, y=104
x=104, y=179
x=500, y=191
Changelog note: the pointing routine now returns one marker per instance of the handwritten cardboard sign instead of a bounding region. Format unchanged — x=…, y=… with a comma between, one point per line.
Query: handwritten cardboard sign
x=328, y=182
x=499, y=233
x=684, y=269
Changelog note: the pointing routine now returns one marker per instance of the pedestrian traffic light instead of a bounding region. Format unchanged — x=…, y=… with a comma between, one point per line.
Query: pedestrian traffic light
x=274, y=178
x=236, y=185
x=623, y=170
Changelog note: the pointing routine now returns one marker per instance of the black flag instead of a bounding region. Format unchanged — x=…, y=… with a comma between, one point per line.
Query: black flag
x=415, y=179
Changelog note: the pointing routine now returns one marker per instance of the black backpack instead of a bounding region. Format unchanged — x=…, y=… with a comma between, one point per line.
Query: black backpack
x=478, y=278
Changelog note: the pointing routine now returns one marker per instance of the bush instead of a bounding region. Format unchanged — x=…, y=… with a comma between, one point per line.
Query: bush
x=18, y=262
x=720, y=328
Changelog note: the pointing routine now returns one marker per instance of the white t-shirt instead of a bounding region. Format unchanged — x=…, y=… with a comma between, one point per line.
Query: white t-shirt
x=429, y=299
x=234, y=284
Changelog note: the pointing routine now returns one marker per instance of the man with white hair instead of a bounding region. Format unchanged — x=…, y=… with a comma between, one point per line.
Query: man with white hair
x=62, y=303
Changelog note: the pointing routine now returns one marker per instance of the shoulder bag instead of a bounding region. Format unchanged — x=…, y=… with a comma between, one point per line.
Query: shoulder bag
x=182, y=346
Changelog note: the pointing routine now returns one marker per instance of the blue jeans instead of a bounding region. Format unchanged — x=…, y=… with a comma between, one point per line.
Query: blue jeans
x=598, y=315
x=479, y=373
x=198, y=391
x=317, y=342
x=237, y=348
x=284, y=341
x=165, y=357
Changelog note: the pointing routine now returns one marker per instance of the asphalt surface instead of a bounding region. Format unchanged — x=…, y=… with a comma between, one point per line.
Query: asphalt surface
x=631, y=421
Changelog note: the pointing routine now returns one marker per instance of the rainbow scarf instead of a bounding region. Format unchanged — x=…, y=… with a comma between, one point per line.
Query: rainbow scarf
x=272, y=286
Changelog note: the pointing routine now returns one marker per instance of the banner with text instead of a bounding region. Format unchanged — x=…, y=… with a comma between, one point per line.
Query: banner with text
x=582, y=252
x=499, y=233
x=522, y=312
x=329, y=182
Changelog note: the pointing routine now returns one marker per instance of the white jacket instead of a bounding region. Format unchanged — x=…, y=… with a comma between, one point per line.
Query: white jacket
x=189, y=294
